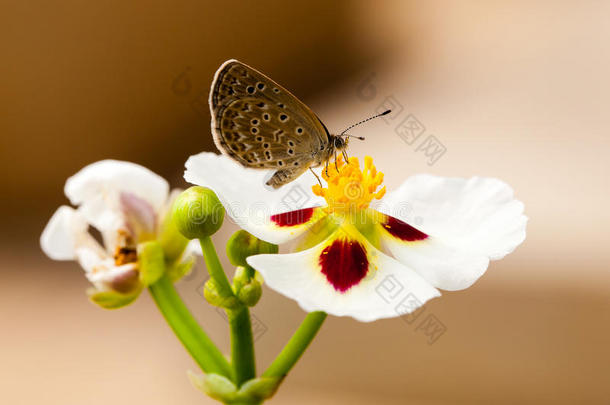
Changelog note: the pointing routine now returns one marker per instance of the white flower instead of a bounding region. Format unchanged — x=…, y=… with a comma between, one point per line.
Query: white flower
x=432, y=232
x=126, y=203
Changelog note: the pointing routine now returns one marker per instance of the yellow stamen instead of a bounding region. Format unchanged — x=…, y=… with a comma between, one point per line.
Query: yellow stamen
x=349, y=188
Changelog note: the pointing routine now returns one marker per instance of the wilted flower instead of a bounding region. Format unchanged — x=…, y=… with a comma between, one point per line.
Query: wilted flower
x=127, y=204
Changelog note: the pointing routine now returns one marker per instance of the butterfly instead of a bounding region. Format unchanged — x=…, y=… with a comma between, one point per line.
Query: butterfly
x=262, y=125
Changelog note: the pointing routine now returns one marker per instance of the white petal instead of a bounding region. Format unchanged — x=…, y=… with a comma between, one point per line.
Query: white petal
x=60, y=236
x=443, y=266
x=97, y=188
x=105, y=276
x=139, y=215
x=193, y=247
x=248, y=201
x=298, y=276
x=469, y=221
x=92, y=259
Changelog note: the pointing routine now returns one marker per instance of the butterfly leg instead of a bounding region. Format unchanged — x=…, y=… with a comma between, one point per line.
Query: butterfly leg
x=326, y=168
x=317, y=178
x=345, y=155
x=336, y=166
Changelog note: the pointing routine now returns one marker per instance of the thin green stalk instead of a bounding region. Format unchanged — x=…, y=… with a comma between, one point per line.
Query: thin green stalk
x=214, y=267
x=296, y=346
x=186, y=328
x=242, y=345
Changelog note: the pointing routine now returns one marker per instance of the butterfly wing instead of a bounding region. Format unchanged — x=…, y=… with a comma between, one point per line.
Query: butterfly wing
x=260, y=124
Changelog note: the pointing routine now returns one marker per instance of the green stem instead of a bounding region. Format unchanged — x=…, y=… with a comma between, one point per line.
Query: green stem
x=215, y=268
x=186, y=328
x=296, y=346
x=242, y=345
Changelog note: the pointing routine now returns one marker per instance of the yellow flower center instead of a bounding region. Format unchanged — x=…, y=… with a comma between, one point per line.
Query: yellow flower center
x=349, y=188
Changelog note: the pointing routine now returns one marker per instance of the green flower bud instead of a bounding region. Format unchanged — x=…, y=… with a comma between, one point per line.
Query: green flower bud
x=247, y=289
x=214, y=297
x=151, y=262
x=198, y=213
x=241, y=245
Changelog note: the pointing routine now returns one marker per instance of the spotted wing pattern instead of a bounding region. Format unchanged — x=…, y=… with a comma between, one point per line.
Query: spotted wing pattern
x=262, y=125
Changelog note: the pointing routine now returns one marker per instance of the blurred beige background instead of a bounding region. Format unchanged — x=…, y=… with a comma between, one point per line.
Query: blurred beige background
x=515, y=90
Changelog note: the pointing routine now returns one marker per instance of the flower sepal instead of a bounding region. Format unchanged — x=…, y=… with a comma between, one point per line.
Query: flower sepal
x=151, y=262
x=223, y=389
x=112, y=299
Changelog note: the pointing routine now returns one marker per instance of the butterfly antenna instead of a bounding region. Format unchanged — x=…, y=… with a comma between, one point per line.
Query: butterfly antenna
x=362, y=122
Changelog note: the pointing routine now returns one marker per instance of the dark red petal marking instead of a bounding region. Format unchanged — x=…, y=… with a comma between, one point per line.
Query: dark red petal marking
x=344, y=263
x=402, y=230
x=293, y=218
